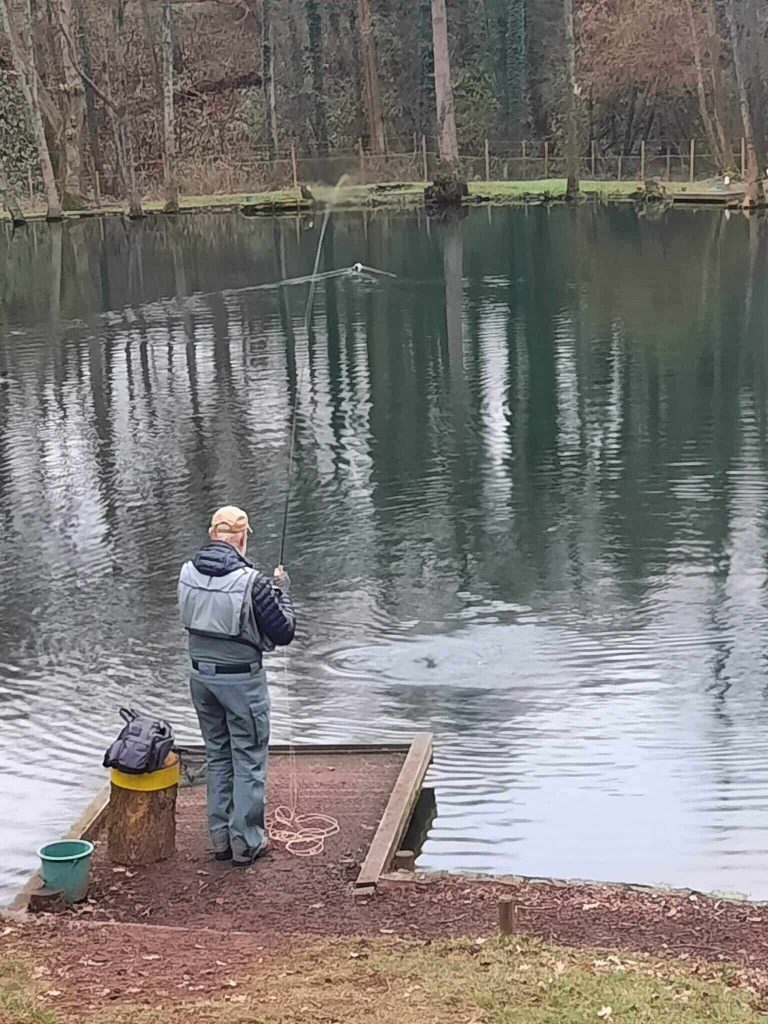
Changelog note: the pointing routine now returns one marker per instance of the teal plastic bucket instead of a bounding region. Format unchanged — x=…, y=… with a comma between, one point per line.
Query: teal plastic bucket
x=66, y=866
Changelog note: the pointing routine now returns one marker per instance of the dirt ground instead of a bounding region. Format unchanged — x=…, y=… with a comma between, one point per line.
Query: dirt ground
x=282, y=894
x=192, y=929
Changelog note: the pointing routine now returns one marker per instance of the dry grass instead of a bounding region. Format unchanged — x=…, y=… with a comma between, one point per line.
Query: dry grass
x=459, y=982
x=22, y=999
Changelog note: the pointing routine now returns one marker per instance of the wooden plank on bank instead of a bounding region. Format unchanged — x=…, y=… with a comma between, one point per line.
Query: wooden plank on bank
x=85, y=827
x=394, y=822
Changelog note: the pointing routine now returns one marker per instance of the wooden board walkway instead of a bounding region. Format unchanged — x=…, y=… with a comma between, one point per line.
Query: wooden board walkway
x=378, y=784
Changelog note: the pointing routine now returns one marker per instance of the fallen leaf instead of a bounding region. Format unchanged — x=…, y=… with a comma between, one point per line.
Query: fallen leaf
x=605, y=1012
x=231, y=983
x=53, y=992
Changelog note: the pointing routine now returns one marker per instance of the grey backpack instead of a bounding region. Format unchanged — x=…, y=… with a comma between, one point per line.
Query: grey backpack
x=142, y=746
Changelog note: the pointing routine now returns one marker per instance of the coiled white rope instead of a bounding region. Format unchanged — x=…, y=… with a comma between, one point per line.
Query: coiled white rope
x=303, y=835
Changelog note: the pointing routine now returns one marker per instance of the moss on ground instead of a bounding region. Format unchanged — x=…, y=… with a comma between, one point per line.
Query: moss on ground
x=389, y=981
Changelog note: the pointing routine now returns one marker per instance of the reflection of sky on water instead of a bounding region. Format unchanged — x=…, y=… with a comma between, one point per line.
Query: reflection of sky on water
x=528, y=514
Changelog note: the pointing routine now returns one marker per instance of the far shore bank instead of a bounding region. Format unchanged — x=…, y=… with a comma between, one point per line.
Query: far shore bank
x=399, y=195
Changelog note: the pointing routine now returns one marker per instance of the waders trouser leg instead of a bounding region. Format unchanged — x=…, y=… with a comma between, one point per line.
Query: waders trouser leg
x=236, y=789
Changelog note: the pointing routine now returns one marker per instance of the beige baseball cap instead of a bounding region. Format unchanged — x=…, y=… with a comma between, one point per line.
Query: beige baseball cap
x=230, y=519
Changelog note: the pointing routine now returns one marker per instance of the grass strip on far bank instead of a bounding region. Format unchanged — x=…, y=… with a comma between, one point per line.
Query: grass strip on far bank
x=517, y=981
x=392, y=195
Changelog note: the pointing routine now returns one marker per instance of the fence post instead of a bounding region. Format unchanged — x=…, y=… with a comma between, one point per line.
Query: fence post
x=594, y=160
x=487, y=162
x=692, y=161
x=546, y=159
x=642, y=160
x=294, y=167
x=424, y=157
x=743, y=159
x=621, y=158
x=669, y=164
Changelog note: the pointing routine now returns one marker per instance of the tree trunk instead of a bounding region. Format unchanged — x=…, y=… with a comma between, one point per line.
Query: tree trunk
x=722, y=158
x=447, y=143
x=8, y=199
x=571, y=104
x=517, y=64
x=23, y=55
x=142, y=825
x=754, y=182
x=91, y=116
x=756, y=69
x=719, y=94
x=124, y=142
x=73, y=110
x=317, y=64
x=268, y=77
x=169, y=129
x=372, y=87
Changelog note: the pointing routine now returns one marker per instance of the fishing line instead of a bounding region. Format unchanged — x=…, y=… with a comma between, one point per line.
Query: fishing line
x=303, y=835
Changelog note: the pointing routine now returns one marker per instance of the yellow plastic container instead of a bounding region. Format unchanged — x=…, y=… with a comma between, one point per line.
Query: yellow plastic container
x=149, y=782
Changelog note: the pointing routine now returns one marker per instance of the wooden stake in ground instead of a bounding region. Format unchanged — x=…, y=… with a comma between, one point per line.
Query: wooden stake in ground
x=142, y=822
x=293, y=166
x=507, y=915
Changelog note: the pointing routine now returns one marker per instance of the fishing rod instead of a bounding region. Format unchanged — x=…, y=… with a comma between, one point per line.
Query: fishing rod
x=295, y=415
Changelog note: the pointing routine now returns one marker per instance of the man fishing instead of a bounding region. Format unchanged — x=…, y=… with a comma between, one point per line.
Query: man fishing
x=233, y=614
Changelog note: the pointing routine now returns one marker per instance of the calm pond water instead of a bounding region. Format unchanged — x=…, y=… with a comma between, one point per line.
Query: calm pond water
x=529, y=514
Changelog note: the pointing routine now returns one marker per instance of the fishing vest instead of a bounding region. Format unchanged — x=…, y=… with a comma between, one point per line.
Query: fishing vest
x=220, y=607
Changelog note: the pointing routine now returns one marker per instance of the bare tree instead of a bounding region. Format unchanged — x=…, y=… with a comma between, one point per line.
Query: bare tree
x=23, y=55
x=268, y=76
x=755, y=191
x=571, y=104
x=73, y=99
x=122, y=135
x=719, y=93
x=372, y=87
x=169, y=128
x=722, y=157
x=448, y=145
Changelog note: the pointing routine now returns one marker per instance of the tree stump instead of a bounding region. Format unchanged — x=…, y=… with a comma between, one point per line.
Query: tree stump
x=445, y=192
x=142, y=823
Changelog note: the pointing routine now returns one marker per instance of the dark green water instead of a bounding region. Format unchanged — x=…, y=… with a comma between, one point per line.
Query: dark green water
x=529, y=514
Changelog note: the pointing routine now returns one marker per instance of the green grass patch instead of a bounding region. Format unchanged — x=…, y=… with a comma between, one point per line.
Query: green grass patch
x=516, y=982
